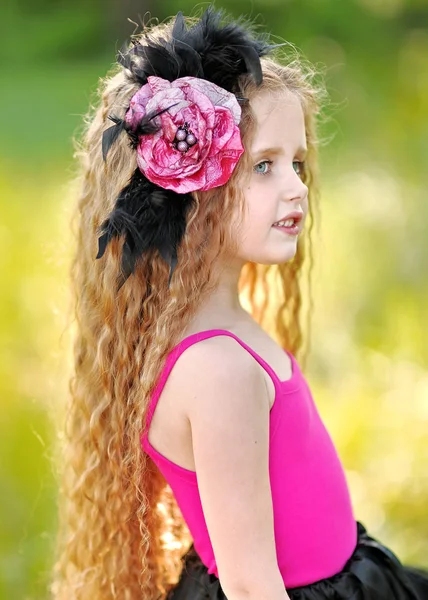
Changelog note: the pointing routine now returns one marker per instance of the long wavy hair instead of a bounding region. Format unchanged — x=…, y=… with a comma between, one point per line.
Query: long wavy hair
x=121, y=533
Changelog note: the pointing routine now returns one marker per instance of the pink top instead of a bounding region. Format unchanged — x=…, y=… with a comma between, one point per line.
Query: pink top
x=315, y=528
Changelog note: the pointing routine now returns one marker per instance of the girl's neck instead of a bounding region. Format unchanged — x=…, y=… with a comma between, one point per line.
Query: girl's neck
x=230, y=320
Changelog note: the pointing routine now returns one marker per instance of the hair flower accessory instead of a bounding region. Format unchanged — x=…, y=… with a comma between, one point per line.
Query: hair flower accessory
x=198, y=142
x=183, y=124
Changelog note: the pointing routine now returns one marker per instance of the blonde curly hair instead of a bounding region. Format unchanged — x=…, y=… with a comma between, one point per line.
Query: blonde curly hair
x=121, y=533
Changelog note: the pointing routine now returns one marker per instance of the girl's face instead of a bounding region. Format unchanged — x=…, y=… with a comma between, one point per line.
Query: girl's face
x=275, y=188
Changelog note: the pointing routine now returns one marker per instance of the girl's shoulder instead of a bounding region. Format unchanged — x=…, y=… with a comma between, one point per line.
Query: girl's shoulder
x=210, y=360
x=212, y=381
x=245, y=348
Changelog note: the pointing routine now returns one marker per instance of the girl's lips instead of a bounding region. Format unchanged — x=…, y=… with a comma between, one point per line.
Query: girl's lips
x=294, y=230
x=297, y=215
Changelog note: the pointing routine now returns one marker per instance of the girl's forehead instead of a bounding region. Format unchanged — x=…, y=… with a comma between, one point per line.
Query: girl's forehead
x=279, y=119
x=267, y=102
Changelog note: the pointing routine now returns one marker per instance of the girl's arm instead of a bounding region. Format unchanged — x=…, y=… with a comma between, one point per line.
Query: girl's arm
x=222, y=388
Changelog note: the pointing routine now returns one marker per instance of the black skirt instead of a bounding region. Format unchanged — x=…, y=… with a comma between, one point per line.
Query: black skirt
x=373, y=572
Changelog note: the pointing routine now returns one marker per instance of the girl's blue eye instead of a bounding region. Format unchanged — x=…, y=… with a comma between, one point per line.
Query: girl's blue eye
x=299, y=167
x=261, y=164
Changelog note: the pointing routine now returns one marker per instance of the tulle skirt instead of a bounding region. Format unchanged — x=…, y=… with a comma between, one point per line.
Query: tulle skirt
x=373, y=572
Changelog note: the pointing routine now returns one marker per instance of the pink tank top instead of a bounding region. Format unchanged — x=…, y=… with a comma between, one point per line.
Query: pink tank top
x=314, y=525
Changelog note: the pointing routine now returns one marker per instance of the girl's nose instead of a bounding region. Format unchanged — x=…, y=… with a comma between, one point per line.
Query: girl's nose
x=296, y=189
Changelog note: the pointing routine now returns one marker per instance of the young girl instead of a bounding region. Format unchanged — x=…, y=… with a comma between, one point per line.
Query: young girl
x=197, y=465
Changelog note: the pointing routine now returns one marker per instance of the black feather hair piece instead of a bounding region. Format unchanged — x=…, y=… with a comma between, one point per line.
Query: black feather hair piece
x=208, y=50
x=150, y=216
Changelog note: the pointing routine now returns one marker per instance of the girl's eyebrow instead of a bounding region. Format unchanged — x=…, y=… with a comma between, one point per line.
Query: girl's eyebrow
x=275, y=150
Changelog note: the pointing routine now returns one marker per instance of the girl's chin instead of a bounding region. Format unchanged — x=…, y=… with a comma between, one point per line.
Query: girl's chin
x=274, y=258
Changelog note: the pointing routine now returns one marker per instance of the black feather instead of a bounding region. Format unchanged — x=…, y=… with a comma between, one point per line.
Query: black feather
x=179, y=29
x=150, y=218
x=111, y=134
x=252, y=62
x=153, y=59
x=216, y=52
x=144, y=127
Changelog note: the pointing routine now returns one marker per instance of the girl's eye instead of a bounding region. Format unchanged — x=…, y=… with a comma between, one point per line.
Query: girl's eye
x=262, y=164
x=299, y=167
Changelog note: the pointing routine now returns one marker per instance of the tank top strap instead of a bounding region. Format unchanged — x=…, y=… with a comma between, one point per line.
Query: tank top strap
x=189, y=341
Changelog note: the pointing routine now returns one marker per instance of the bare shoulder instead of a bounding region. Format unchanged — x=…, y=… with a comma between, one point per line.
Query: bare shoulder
x=222, y=365
x=227, y=403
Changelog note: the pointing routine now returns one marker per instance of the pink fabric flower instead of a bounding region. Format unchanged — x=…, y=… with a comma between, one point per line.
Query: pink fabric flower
x=201, y=108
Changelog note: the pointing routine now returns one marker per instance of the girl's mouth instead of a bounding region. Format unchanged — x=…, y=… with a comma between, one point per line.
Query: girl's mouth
x=293, y=230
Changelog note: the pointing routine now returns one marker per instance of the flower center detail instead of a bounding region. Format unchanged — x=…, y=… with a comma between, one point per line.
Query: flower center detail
x=184, y=138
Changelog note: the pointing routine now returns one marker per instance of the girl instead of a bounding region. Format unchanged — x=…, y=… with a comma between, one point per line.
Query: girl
x=196, y=464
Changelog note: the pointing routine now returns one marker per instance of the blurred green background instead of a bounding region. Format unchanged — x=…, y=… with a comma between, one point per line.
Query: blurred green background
x=369, y=359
